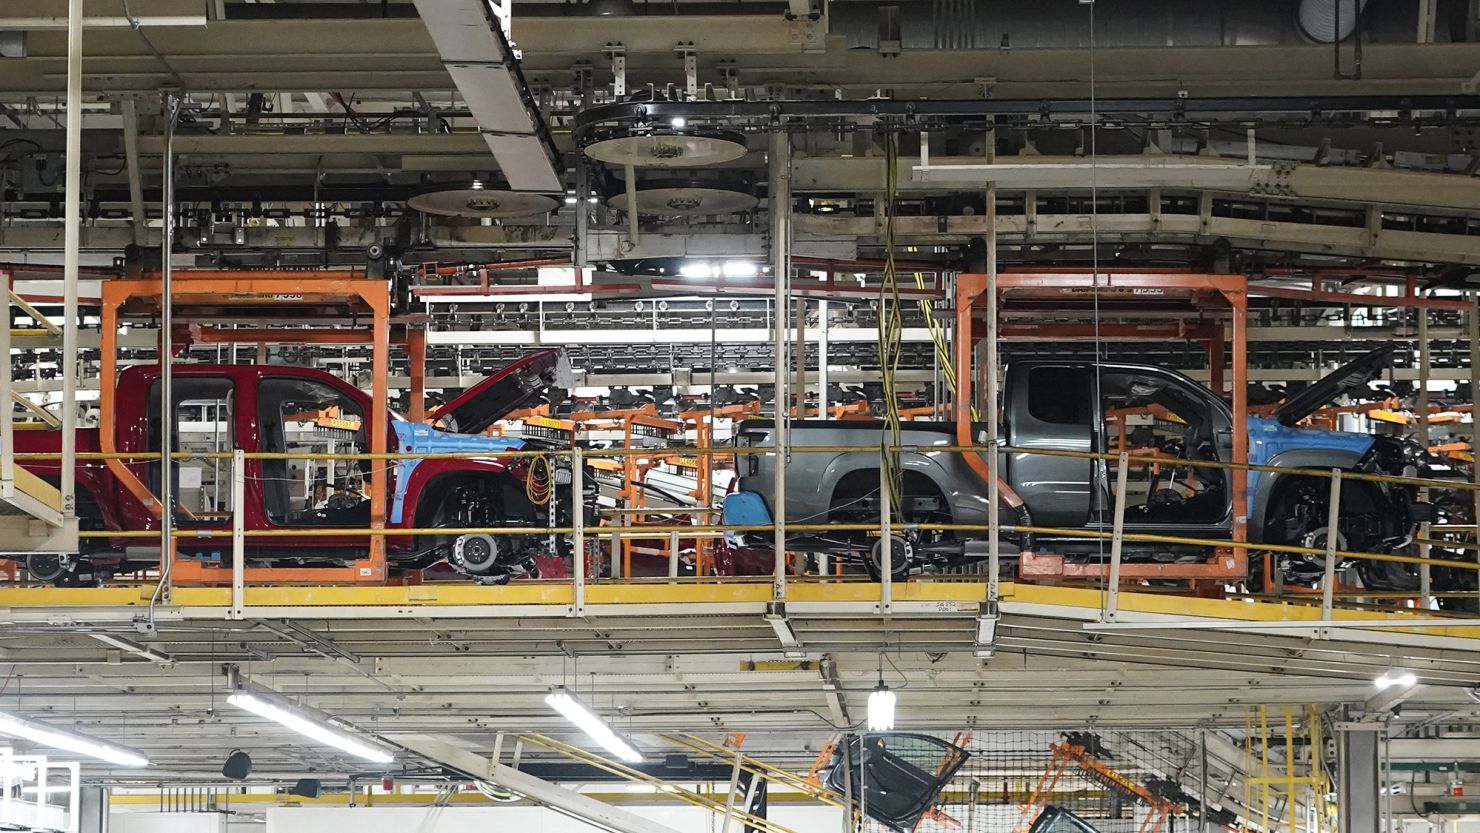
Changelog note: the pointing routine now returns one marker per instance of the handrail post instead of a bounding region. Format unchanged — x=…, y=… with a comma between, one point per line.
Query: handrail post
x=673, y=554
x=1425, y=579
x=1333, y=519
x=578, y=529
x=1117, y=538
x=886, y=535
x=238, y=534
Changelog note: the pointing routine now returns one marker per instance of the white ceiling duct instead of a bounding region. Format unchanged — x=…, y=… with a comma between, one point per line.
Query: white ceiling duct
x=483, y=66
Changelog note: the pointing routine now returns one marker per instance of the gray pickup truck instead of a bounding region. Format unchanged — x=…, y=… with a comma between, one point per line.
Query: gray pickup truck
x=1149, y=411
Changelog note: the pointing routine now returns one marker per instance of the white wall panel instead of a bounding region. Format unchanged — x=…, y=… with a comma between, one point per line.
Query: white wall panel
x=166, y=823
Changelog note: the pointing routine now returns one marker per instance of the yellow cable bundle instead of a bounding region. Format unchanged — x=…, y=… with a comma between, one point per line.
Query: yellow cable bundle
x=891, y=328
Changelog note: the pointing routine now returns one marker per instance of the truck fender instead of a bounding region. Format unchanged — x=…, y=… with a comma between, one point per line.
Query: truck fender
x=409, y=490
x=851, y=463
x=1263, y=484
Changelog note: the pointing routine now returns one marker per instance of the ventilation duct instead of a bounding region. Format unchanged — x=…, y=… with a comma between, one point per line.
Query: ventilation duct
x=482, y=65
x=1327, y=21
x=1147, y=24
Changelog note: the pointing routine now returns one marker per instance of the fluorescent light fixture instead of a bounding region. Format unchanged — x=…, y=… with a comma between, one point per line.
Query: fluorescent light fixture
x=570, y=199
x=1389, y=679
x=727, y=269
x=69, y=741
x=561, y=700
x=309, y=725
x=679, y=122
x=739, y=269
x=132, y=647
x=881, y=709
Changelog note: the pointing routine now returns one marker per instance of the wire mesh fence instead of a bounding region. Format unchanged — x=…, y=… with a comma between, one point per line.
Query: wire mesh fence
x=1267, y=776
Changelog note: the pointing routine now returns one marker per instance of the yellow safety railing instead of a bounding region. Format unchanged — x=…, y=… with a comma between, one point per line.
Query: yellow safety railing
x=1121, y=460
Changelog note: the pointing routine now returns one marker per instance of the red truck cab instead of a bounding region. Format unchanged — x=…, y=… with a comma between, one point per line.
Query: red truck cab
x=290, y=411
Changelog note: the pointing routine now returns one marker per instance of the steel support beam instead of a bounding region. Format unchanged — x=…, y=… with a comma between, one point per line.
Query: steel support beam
x=569, y=802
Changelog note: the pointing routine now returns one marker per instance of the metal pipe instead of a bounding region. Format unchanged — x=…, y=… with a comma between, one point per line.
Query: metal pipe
x=1425, y=577
x=1202, y=786
x=779, y=198
x=799, y=358
x=1117, y=539
x=72, y=243
x=131, y=162
x=238, y=535
x=166, y=347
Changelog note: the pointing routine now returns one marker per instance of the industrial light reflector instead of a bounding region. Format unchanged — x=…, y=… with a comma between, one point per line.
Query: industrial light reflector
x=69, y=741
x=595, y=728
x=1390, y=679
x=881, y=709
x=308, y=725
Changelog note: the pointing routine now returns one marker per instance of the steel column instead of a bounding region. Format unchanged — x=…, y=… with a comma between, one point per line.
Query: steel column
x=1239, y=301
x=778, y=196
x=72, y=243
x=994, y=486
x=7, y=407
x=416, y=350
x=1357, y=787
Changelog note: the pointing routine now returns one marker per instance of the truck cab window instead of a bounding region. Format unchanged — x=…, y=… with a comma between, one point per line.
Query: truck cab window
x=1149, y=415
x=1056, y=397
x=303, y=416
x=202, y=423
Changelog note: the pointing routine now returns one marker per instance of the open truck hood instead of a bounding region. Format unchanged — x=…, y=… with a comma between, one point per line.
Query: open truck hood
x=517, y=385
x=1350, y=378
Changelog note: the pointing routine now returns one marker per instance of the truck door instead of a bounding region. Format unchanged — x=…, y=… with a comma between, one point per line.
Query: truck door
x=1169, y=423
x=1050, y=407
x=203, y=422
x=297, y=415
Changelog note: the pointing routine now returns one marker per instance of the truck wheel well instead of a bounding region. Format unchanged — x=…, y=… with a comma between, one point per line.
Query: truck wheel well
x=856, y=495
x=1356, y=496
x=498, y=494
